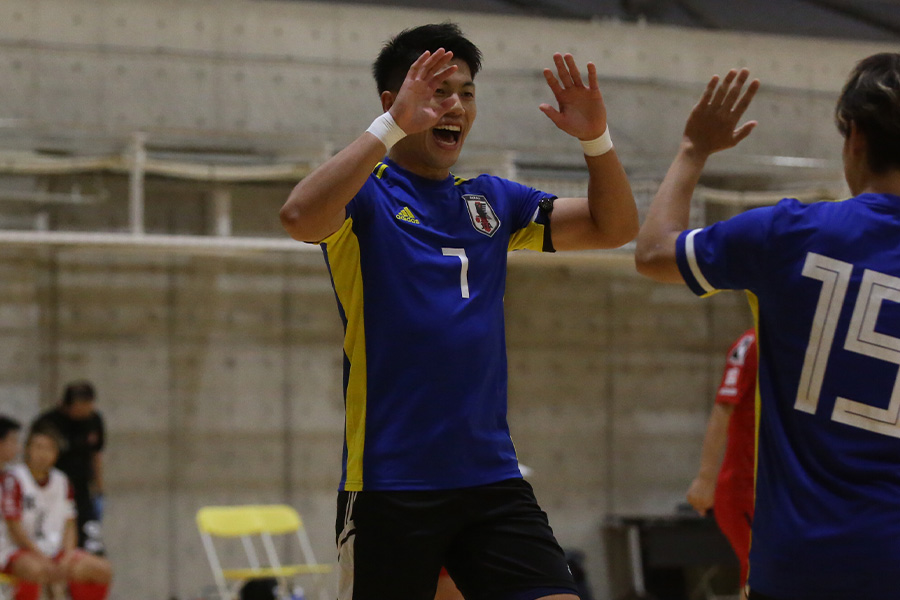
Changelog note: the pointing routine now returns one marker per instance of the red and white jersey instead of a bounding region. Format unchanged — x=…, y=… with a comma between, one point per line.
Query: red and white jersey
x=42, y=508
x=738, y=389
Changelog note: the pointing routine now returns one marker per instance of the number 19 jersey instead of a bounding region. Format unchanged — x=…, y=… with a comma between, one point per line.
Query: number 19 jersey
x=824, y=282
x=419, y=272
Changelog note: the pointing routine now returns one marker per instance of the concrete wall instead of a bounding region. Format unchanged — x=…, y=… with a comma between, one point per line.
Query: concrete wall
x=220, y=382
x=219, y=376
x=291, y=76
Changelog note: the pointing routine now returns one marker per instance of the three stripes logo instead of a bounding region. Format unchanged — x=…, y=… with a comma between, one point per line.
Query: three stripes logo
x=407, y=215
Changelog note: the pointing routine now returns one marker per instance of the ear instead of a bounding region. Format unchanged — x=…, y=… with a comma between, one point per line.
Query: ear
x=387, y=100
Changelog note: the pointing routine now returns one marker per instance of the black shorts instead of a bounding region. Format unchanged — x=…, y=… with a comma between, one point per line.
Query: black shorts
x=494, y=540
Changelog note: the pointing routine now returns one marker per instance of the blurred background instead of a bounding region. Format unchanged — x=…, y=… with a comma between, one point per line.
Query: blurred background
x=147, y=145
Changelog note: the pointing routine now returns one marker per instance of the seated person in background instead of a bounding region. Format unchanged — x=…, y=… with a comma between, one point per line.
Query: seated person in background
x=9, y=440
x=81, y=457
x=37, y=538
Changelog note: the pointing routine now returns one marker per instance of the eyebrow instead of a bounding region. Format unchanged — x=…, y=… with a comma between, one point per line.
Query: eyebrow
x=469, y=83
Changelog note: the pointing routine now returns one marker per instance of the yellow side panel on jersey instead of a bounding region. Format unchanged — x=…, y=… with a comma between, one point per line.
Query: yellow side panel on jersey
x=754, y=308
x=530, y=237
x=342, y=249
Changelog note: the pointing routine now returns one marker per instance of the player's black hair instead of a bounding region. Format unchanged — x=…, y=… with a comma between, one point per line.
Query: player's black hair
x=7, y=426
x=46, y=428
x=871, y=100
x=401, y=51
x=78, y=391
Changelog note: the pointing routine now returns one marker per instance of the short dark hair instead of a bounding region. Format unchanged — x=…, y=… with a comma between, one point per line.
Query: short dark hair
x=78, y=391
x=46, y=428
x=7, y=426
x=398, y=54
x=871, y=100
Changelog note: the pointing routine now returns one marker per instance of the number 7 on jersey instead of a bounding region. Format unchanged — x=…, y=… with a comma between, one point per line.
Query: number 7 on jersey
x=464, y=268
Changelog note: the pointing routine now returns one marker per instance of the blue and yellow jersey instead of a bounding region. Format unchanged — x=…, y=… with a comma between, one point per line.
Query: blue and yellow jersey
x=824, y=282
x=419, y=271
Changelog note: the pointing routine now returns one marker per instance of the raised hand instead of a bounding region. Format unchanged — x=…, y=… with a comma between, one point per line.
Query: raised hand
x=712, y=124
x=414, y=108
x=581, y=110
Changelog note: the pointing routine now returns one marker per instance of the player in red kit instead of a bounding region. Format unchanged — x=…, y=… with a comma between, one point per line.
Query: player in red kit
x=729, y=490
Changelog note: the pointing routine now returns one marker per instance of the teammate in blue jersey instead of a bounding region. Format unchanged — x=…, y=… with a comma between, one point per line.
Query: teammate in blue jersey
x=824, y=283
x=418, y=262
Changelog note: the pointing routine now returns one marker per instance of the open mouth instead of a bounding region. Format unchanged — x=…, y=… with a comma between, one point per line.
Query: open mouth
x=447, y=136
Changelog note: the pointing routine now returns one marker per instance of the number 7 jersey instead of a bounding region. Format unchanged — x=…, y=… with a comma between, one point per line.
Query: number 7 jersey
x=419, y=272
x=824, y=283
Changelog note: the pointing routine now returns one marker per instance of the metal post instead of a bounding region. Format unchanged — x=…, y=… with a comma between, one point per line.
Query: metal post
x=216, y=566
x=222, y=211
x=509, y=165
x=136, y=182
x=637, y=561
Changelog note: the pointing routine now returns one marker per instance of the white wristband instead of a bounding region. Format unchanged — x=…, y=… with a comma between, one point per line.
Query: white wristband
x=386, y=130
x=598, y=146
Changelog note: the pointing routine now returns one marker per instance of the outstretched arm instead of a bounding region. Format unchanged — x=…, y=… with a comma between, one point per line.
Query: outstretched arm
x=702, y=493
x=315, y=208
x=607, y=218
x=711, y=127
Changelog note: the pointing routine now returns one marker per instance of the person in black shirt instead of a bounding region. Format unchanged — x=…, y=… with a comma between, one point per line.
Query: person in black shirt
x=81, y=457
x=9, y=440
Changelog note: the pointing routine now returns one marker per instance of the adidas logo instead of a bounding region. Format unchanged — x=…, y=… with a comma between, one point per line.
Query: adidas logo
x=407, y=215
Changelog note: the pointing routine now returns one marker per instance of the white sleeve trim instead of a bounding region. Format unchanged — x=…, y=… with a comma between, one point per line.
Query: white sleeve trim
x=692, y=262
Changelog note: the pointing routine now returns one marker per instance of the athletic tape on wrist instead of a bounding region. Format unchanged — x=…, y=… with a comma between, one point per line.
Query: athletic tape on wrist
x=598, y=146
x=386, y=130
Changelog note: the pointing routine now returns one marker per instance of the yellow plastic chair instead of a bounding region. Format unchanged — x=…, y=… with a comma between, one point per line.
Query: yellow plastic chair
x=260, y=522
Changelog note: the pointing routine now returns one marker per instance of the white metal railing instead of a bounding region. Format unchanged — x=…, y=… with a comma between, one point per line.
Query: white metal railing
x=137, y=163
x=172, y=243
x=561, y=176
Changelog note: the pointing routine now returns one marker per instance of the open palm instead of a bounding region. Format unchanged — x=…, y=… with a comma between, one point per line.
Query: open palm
x=581, y=112
x=414, y=109
x=712, y=124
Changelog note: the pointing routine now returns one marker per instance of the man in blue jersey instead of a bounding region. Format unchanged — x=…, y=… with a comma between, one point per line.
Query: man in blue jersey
x=824, y=283
x=418, y=262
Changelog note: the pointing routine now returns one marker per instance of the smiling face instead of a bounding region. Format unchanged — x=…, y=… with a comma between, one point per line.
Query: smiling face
x=432, y=152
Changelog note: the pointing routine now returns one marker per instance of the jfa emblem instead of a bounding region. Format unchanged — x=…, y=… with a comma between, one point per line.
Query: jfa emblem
x=483, y=217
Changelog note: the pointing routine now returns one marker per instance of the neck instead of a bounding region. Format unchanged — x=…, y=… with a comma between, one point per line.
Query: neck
x=39, y=474
x=411, y=154
x=419, y=169
x=884, y=183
